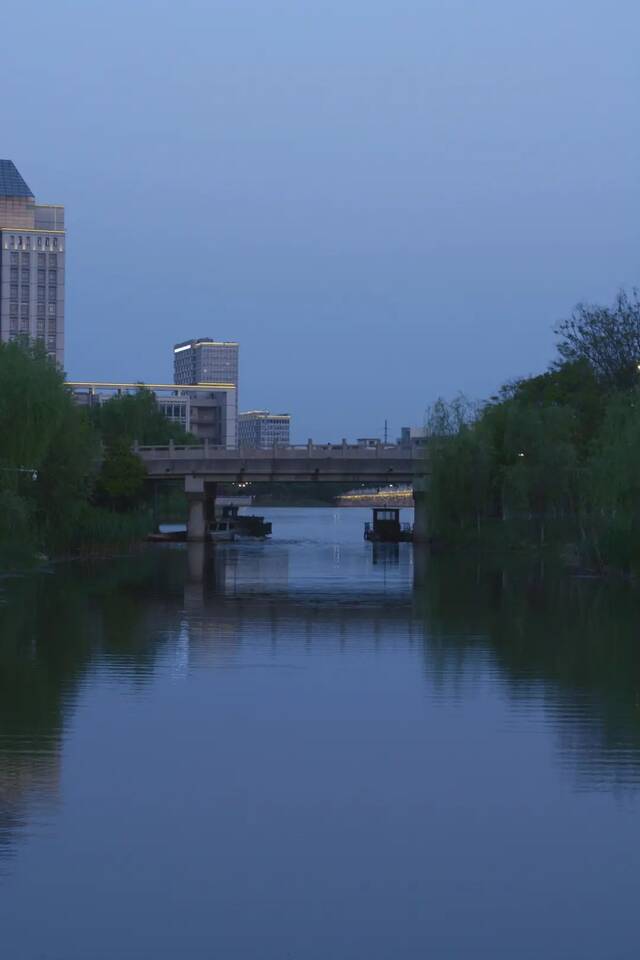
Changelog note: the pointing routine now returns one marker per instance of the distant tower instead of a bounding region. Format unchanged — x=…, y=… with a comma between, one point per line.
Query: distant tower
x=205, y=361
x=32, y=252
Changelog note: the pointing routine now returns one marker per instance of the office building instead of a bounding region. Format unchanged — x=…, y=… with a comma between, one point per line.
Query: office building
x=209, y=413
x=32, y=252
x=260, y=429
x=210, y=363
x=205, y=361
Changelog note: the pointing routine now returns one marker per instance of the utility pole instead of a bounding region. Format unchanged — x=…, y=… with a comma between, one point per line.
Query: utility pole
x=386, y=431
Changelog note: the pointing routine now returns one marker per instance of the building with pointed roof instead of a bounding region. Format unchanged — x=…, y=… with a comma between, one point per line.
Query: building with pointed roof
x=32, y=265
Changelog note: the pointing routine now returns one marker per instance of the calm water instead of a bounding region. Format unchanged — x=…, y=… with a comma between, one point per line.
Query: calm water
x=308, y=749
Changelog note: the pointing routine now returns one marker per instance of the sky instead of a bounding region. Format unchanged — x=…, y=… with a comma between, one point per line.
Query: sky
x=384, y=201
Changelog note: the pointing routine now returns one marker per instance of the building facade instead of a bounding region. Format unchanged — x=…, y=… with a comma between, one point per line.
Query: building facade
x=260, y=429
x=206, y=361
x=32, y=265
x=209, y=413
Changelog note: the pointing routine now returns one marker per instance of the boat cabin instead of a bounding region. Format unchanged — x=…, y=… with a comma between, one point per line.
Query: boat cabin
x=386, y=526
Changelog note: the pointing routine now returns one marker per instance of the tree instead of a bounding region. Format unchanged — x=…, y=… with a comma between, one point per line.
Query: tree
x=136, y=417
x=608, y=338
x=47, y=447
x=121, y=484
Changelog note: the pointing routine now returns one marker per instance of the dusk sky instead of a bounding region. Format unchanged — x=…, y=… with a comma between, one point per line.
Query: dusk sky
x=383, y=201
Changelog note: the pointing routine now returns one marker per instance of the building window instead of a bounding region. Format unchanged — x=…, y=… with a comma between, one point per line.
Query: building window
x=53, y=276
x=55, y=243
x=20, y=243
x=25, y=275
x=51, y=309
x=27, y=243
x=40, y=310
x=53, y=260
x=24, y=293
x=52, y=293
x=40, y=241
x=42, y=259
x=14, y=259
x=46, y=241
x=24, y=310
x=41, y=276
x=13, y=309
x=40, y=294
x=14, y=274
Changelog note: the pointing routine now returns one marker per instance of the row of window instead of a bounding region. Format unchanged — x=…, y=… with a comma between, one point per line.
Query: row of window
x=24, y=259
x=40, y=323
x=24, y=310
x=25, y=275
x=40, y=309
x=25, y=243
x=25, y=293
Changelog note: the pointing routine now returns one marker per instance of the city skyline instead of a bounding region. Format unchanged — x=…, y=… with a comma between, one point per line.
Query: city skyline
x=363, y=199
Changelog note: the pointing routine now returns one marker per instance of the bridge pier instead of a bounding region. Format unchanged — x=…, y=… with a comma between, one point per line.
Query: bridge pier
x=201, y=506
x=421, y=510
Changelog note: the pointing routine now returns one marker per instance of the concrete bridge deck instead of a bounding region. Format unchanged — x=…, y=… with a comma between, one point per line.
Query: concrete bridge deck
x=312, y=462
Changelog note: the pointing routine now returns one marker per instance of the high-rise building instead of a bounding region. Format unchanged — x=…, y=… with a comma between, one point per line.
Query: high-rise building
x=214, y=364
x=260, y=429
x=206, y=361
x=32, y=252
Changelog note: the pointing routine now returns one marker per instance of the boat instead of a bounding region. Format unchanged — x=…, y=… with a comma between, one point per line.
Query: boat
x=386, y=527
x=244, y=526
x=221, y=530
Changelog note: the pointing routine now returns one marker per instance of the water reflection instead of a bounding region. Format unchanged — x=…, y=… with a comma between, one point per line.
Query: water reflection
x=568, y=647
x=563, y=652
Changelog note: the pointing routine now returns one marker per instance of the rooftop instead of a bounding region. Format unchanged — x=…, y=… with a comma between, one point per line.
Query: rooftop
x=11, y=183
x=172, y=387
x=264, y=415
x=203, y=342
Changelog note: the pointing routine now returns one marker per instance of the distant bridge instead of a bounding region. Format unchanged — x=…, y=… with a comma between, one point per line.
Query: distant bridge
x=202, y=467
x=330, y=462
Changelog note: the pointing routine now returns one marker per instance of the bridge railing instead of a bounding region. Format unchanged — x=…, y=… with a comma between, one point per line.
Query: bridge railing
x=206, y=451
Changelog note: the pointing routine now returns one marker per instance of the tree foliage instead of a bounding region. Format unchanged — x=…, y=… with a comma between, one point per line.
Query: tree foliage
x=135, y=417
x=48, y=450
x=121, y=483
x=607, y=338
x=560, y=449
x=64, y=470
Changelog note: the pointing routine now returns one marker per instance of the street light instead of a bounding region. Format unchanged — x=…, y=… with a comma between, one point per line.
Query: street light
x=34, y=473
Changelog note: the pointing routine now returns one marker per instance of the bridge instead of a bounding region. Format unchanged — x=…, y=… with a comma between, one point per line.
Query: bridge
x=203, y=467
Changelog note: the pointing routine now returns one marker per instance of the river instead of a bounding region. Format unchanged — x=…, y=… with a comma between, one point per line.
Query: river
x=308, y=749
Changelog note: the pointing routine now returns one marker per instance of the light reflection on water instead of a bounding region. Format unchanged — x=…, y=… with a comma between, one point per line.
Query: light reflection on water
x=309, y=748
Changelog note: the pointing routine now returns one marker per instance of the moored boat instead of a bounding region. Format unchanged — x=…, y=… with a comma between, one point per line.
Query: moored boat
x=386, y=527
x=245, y=526
x=221, y=530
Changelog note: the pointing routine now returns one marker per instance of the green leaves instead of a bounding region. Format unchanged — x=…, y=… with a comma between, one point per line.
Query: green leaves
x=136, y=417
x=122, y=478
